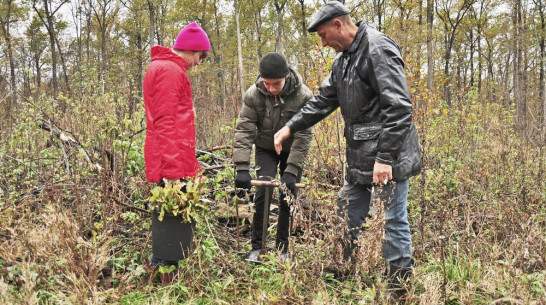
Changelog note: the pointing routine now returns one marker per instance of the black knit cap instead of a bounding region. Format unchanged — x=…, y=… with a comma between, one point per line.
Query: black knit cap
x=273, y=65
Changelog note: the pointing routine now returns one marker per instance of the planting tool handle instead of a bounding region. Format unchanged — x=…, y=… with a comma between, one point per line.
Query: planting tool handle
x=273, y=184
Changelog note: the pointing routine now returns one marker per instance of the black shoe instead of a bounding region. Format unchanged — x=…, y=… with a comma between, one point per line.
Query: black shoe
x=397, y=281
x=335, y=274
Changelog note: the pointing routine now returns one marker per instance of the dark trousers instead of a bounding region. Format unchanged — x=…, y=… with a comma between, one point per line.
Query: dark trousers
x=267, y=162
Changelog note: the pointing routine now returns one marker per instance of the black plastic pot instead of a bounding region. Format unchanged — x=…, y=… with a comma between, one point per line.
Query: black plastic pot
x=171, y=238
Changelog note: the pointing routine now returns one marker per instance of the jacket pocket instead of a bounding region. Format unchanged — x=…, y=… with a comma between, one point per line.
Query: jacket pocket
x=366, y=131
x=364, y=138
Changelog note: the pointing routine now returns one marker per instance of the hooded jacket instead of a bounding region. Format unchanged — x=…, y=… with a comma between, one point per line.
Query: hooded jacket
x=368, y=83
x=169, y=150
x=263, y=115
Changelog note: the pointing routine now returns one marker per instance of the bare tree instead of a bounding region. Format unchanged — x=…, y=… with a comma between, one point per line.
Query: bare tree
x=38, y=43
x=303, y=25
x=47, y=15
x=105, y=13
x=451, y=15
x=6, y=21
x=379, y=9
x=430, y=46
x=540, y=6
x=257, y=13
x=239, y=51
x=217, y=58
x=279, y=8
x=151, y=10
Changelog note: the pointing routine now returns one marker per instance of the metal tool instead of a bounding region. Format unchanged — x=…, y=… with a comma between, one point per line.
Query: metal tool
x=268, y=185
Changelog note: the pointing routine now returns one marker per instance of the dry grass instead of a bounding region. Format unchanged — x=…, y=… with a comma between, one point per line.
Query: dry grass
x=477, y=215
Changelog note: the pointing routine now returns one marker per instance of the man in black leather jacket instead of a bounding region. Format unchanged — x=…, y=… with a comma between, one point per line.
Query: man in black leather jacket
x=368, y=83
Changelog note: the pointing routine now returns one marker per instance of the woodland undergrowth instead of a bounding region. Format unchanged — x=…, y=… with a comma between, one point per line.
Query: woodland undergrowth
x=74, y=227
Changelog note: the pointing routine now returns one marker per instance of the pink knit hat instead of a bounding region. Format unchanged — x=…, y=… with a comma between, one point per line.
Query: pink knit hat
x=192, y=38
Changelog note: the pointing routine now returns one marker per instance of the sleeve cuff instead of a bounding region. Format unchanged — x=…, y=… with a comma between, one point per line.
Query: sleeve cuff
x=242, y=167
x=384, y=158
x=293, y=127
x=293, y=169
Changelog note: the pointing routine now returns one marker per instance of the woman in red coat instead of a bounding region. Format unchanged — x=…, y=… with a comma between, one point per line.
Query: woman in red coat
x=169, y=151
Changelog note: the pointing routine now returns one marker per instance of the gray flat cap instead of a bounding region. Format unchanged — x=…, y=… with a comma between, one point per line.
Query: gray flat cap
x=328, y=11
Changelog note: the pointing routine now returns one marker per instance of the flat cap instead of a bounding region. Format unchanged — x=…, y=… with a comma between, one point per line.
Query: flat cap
x=328, y=11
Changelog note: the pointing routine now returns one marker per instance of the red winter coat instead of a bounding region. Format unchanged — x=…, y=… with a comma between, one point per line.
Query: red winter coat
x=169, y=151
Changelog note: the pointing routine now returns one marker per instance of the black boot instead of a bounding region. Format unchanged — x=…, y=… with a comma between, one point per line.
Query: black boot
x=398, y=280
x=348, y=247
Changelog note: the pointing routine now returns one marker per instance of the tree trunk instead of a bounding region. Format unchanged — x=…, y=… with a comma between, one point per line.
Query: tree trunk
x=77, y=15
x=7, y=36
x=258, y=25
x=48, y=21
x=140, y=64
x=430, y=51
x=447, y=58
x=517, y=77
x=107, y=9
x=160, y=29
x=480, y=55
x=88, y=18
x=542, y=59
x=471, y=51
x=304, y=35
x=450, y=28
x=542, y=83
x=279, y=7
x=303, y=25
x=38, y=67
x=52, y=44
x=152, y=23
x=239, y=53
x=67, y=83
x=378, y=8
x=218, y=63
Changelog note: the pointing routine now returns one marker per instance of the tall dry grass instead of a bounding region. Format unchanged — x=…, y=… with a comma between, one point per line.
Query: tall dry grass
x=70, y=234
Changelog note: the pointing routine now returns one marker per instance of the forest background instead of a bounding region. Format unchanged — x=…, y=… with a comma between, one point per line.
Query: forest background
x=73, y=222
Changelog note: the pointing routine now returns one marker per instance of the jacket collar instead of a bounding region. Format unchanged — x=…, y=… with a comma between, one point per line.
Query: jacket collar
x=358, y=37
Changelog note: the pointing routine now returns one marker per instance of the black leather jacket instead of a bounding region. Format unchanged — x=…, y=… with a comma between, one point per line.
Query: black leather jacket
x=368, y=82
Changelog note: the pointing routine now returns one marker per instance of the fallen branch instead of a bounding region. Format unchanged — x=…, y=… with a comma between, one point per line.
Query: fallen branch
x=504, y=300
x=202, y=152
x=68, y=139
x=131, y=207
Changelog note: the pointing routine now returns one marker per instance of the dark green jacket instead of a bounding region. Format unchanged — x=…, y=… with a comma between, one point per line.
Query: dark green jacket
x=263, y=115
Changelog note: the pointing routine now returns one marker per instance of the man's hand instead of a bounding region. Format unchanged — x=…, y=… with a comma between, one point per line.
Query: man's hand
x=242, y=180
x=280, y=137
x=290, y=181
x=382, y=173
